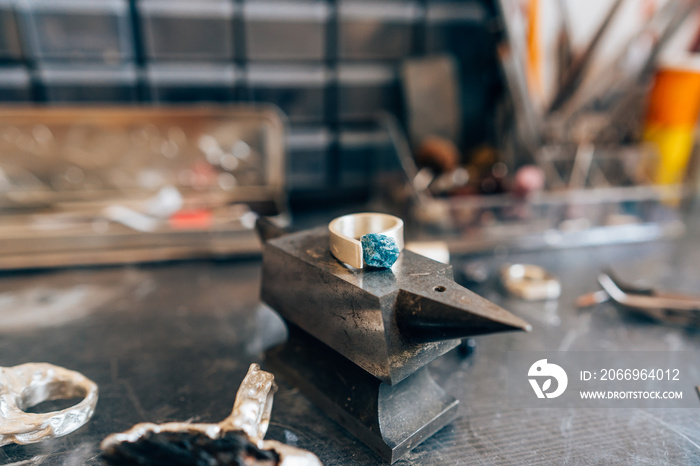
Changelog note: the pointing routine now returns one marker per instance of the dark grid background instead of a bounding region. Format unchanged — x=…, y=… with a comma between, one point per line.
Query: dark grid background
x=330, y=65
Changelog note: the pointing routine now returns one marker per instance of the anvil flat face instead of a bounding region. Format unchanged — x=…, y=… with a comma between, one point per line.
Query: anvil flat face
x=390, y=322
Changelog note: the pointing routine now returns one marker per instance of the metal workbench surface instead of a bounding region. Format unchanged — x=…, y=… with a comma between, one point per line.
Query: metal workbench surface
x=171, y=342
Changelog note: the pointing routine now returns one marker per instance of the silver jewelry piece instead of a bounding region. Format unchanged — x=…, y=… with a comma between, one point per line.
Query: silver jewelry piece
x=530, y=282
x=250, y=415
x=27, y=385
x=346, y=231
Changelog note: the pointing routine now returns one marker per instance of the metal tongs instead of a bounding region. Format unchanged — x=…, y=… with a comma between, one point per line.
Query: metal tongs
x=670, y=308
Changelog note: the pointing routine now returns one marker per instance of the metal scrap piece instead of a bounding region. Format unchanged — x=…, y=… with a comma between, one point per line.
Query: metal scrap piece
x=530, y=282
x=238, y=439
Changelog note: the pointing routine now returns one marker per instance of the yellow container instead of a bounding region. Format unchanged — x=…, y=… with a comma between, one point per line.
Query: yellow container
x=674, y=104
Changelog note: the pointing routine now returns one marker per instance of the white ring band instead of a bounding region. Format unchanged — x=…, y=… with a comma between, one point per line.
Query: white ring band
x=346, y=231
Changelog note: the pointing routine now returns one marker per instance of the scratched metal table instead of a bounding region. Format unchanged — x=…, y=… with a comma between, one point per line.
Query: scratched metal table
x=172, y=342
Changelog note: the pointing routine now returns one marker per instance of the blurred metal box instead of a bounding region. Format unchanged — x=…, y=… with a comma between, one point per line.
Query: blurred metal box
x=285, y=30
x=299, y=90
x=365, y=90
x=192, y=82
x=89, y=83
x=10, y=45
x=375, y=30
x=186, y=30
x=100, y=185
x=15, y=84
x=307, y=158
x=90, y=30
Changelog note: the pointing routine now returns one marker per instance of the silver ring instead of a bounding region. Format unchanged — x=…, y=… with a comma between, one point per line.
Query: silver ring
x=27, y=385
x=530, y=282
x=347, y=232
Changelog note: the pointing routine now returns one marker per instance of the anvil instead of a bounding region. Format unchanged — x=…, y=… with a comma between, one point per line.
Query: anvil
x=360, y=339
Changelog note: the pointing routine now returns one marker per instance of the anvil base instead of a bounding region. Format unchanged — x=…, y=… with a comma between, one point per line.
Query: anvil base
x=390, y=419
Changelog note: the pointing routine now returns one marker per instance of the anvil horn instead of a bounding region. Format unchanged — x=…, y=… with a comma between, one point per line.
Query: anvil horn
x=429, y=310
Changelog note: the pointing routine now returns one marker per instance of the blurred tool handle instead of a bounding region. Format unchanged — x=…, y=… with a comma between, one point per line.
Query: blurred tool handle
x=577, y=71
x=565, y=54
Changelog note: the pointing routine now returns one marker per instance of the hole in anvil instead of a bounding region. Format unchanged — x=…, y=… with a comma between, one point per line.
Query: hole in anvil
x=440, y=288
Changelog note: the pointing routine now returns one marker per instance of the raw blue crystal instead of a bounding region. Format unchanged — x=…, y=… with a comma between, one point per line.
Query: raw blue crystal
x=379, y=250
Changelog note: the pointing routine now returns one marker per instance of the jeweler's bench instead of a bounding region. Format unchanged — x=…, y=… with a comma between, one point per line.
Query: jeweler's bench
x=173, y=341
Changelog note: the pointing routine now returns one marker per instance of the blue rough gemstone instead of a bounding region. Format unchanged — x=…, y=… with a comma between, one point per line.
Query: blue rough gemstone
x=379, y=250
